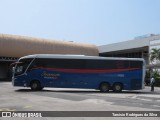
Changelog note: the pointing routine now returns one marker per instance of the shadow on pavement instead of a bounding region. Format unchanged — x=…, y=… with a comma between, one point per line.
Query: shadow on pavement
x=87, y=91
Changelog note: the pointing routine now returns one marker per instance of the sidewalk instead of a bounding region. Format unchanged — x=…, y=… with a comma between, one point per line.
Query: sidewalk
x=147, y=90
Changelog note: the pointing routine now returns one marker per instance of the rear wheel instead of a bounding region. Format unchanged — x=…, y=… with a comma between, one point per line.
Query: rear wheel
x=35, y=85
x=117, y=87
x=104, y=87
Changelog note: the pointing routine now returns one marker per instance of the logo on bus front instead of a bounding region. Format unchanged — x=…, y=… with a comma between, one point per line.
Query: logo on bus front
x=53, y=76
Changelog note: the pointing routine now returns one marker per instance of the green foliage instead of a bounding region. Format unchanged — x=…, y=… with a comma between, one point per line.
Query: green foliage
x=148, y=74
x=157, y=81
x=155, y=74
x=157, y=77
x=155, y=54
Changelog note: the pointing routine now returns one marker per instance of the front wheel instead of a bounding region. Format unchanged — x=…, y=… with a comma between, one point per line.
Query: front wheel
x=104, y=87
x=35, y=85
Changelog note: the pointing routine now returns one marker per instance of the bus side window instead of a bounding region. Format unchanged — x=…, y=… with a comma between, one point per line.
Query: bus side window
x=36, y=64
x=40, y=63
x=31, y=67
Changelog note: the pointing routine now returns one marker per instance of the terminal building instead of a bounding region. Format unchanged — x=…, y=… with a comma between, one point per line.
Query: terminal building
x=13, y=47
x=139, y=47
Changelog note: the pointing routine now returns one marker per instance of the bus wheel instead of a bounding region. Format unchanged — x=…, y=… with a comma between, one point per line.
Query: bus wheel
x=35, y=85
x=117, y=87
x=104, y=87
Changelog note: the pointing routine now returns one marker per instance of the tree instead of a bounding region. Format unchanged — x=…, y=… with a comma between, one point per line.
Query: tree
x=155, y=55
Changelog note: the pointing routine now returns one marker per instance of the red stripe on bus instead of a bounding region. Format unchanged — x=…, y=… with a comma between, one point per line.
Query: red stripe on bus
x=90, y=71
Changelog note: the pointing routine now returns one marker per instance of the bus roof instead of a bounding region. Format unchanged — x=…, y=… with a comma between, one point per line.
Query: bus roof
x=69, y=56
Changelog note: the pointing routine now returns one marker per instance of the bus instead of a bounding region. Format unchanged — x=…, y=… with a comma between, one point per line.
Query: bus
x=79, y=71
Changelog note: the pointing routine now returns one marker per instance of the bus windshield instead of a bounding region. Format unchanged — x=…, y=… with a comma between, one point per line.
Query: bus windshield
x=22, y=65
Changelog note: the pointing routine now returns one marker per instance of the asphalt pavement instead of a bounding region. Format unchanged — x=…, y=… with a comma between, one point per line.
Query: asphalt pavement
x=60, y=99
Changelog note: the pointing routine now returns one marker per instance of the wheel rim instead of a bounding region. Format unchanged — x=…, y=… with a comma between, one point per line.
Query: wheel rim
x=34, y=85
x=104, y=87
x=118, y=87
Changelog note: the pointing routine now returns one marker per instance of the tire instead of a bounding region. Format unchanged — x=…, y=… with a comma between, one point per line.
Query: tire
x=117, y=87
x=35, y=85
x=104, y=87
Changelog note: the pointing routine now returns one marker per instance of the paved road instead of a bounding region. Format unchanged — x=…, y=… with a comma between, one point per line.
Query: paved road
x=23, y=99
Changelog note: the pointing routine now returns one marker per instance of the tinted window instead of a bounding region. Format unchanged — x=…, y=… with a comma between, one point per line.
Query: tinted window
x=81, y=63
x=60, y=63
x=136, y=64
x=107, y=64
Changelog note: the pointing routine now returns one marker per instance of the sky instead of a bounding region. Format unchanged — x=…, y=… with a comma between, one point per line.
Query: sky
x=98, y=22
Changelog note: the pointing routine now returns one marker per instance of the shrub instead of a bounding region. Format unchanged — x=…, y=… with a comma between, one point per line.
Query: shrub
x=157, y=81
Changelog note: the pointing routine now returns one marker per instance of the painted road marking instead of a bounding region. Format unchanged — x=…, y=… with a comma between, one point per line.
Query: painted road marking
x=7, y=109
x=28, y=106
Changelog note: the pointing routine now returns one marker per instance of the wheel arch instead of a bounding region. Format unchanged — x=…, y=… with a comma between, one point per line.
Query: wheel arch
x=118, y=83
x=34, y=80
x=103, y=83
